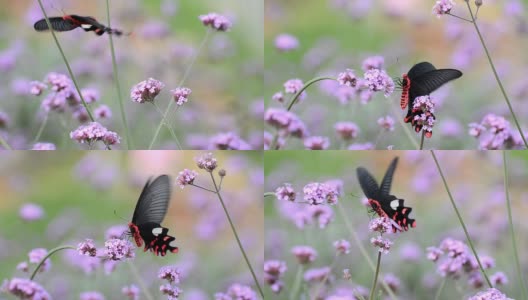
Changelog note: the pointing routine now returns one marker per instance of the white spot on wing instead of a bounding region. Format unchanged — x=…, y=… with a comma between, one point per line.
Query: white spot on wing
x=157, y=231
x=171, y=244
x=86, y=26
x=394, y=204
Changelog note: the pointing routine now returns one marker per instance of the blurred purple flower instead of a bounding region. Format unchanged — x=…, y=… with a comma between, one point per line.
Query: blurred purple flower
x=273, y=271
x=115, y=232
x=490, y=294
x=346, y=130
x=80, y=114
x=285, y=193
x=494, y=133
x=44, y=146
x=377, y=80
x=169, y=273
x=347, y=78
x=146, y=91
x=117, y=249
x=23, y=266
x=316, y=275
x=304, y=254
x=393, y=282
x=31, y=212
x=383, y=244
x=514, y=8
x=4, y=120
x=342, y=246
x=186, y=177
x=373, y=62
x=228, y=141
x=173, y=292
x=498, y=278
x=285, y=121
x=293, y=86
x=8, y=60
x=131, y=292
x=450, y=128
x=36, y=255
x=216, y=21
x=206, y=162
x=60, y=83
x=279, y=97
x=103, y=112
x=286, y=42
x=91, y=295
x=25, y=289
x=90, y=95
x=410, y=252
x=316, y=193
x=87, y=248
x=386, y=123
x=36, y=88
x=316, y=143
x=323, y=215
x=443, y=7
x=94, y=132
x=154, y=30
x=180, y=95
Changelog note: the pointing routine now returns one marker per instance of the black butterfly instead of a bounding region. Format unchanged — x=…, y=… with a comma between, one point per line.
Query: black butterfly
x=149, y=213
x=381, y=202
x=422, y=79
x=70, y=22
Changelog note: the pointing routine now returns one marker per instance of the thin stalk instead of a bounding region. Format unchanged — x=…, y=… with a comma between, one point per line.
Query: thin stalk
x=422, y=140
x=269, y=194
x=297, y=284
x=185, y=75
x=52, y=251
x=140, y=281
x=375, y=282
x=440, y=289
x=201, y=187
x=512, y=233
x=116, y=80
x=497, y=76
x=405, y=127
x=41, y=128
x=236, y=235
x=320, y=286
x=470, y=242
x=4, y=143
x=168, y=126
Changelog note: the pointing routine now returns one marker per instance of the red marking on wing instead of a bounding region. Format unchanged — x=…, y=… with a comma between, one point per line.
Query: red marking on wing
x=135, y=233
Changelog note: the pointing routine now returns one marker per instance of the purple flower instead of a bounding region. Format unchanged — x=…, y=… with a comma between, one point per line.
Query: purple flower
x=37, y=255
x=285, y=121
x=216, y=21
x=316, y=143
x=44, y=146
x=94, y=132
x=322, y=214
x=23, y=266
x=169, y=273
x=293, y=86
x=87, y=248
x=373, y=62
x=117, y=249
x=36, y=87
x=146, y=91
x=347, y=78
x=131, y=292
x=60, y=83
x=273, y=271
x=91, y=295
x=228, y=141
x=443, y=7
x=180, y=95
x=186, y=177
x=342, y=246
x=498, y=278
x=392, y=281
x=172, y=291
x=304, y=254
x=316, y=193
x=494, y=133
x=346, y=130
x=386, y=123
x=490, y=294
x=31, y=212
x=115, y=232
x=90, y=95
x=285, y=193
x=286, y=42
x=434, y=253
x=207, y=162
x=4, y=120
x=103, y=112
x=381, y=225
x=422, y=117
x=316, y=275
x=25, y=289
x=384, y=245
x=279, y=97
x=377, y=80
x=154, y=30
x=239, y=291
x=410, y=252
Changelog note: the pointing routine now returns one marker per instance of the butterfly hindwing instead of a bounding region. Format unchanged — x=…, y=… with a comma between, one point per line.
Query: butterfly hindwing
x=57, y=23
x=387, y=179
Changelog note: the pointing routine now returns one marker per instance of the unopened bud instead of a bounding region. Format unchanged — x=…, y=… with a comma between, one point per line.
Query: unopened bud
x=222, y=173
x=478, y=3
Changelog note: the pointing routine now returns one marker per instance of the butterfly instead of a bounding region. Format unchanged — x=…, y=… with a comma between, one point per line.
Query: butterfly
x=149, y=213
x=382, y=202
x=422, y=79
x=70, y=22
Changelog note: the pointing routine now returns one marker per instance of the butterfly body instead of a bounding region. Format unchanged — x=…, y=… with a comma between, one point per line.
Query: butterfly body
x=382, y=202
x=70, y=22
x=150, y=211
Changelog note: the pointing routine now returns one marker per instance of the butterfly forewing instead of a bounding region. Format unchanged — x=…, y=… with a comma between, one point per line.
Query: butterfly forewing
x=427, y=83
x=153, y=201
x=368, y=184
x=387, y=179
x=57, y=23
x=419, y=69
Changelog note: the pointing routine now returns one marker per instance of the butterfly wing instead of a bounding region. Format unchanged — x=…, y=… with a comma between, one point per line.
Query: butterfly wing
x=428, y=82
x=419, y=69
x=368, y=184
x=57, y=23
x=153, y=201
x=387, y=179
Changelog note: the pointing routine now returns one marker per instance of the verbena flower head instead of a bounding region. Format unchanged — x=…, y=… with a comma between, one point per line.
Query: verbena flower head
x=286, y=42
x=342, y=246
x=31, y=212
x=393, y=282
x=130, y=292
x=146, y=91
x=373, y=62
x=273, y=271
x=316, y=193
x=228, y=141
x=36, y=88
x=216, y=21
x=279, y=97
x=443, y=7
x=287, y=122
x=498, y=278
x=377, y=80
x=347, y=130
x=170, y=273
x=90, y=95
x=304, y=254
x=490, y=294
x=386, y=123
x=118, y=249
x=383, y=244
x=103, y=112
x=293, y=86
x=423, y=115
x=207, y=162
x=91, y=295
x=36, y=255
x=25, y=289
x=60, y=83
x=44, y=146
x=186, y=177
x=381, y=225
x=348, y=78
x=94, y=132
x=316, y=143
x=285, y=193
x=316, y=275
x=494, y=133
x=321, y=214
x=87, y=248
x=237, y=291
x=23, y=266
x=181, y=95
x=116, y=232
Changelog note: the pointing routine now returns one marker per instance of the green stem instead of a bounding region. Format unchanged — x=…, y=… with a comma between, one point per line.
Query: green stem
x=497, y=76
x=470, y=242
x=405, y=127
x=439, y=291
x=422, y=140
x=201, y=187
x=4, y=143
x=185, y=75
x=320, y=286
x=297, y=284
x=116, y=80
x=140, y=281
x=257, y=284
x=168, y=126
x=50, y=253
x=373, y=289
x=512, y=233
x=269, y=194
x=41, y=128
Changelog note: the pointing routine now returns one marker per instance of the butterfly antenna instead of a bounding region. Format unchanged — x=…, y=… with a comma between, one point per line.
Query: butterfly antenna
x=115, y=214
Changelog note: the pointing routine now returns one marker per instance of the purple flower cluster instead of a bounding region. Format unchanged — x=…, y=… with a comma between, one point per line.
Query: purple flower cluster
x=346, y=130
x=273, y=271
x=490, y=294
x=118, y=249
x=316, y=193
x=91, y=295
x=87, y=248
x=286, y=122
x=37, y=255
x=172, y=275
x=207, y=162
x=386, y=123
x=180, y=95
x=172, y=292
x=377, y=80
x=146, y=90
x=422, y=116
x=228, y=141
x=285, y=193
x=216, y=21
x=304, y=254
x=494, y=133
x=25, y=289
x=348, y=78
x=286, y=42
x=94, y=132
x=381, y=243
x=130, y=292
x=237, y=291
x=31, y=212
x=316, y=274
x=36, y=88
x=44, y=146
x=342, y=246
x=443, y=7
x=316, y=143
